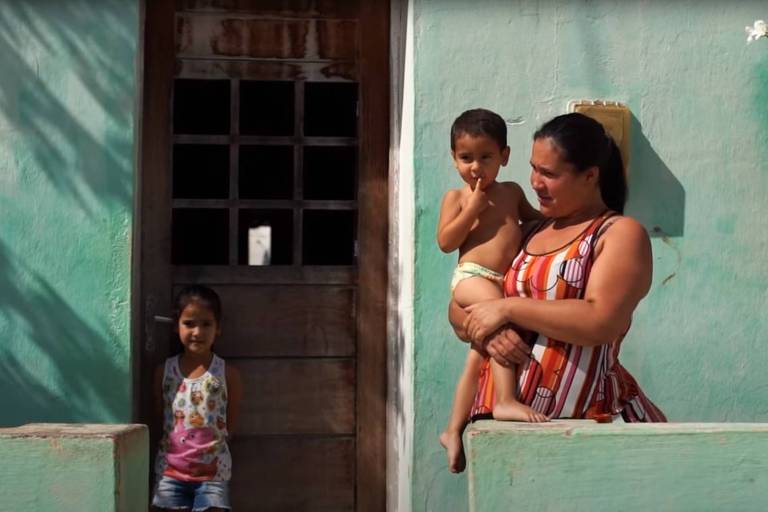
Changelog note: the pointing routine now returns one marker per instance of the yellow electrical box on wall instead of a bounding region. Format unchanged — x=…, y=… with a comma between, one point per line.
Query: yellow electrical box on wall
x=614, y=117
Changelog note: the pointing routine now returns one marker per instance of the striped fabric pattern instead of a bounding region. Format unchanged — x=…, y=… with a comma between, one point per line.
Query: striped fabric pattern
x=564, y=380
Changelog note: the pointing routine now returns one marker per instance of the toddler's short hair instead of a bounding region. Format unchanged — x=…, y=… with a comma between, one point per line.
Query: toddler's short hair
x=480, y=121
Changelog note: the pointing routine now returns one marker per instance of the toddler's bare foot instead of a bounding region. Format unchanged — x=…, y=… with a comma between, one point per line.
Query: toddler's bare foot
x=454, y=448
x=515, y=411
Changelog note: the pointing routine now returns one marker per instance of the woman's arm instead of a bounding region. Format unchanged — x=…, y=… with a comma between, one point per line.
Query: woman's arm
x=620, y=278
x=234, y=394
x=505, y=345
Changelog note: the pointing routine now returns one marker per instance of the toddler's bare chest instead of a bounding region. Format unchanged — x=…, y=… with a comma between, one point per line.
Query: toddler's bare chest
x=497, y=214
x=497, y=225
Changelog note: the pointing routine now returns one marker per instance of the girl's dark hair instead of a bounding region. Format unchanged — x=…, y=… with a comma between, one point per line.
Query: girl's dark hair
x=584, y=143
x=480, y=121
x=198, y=294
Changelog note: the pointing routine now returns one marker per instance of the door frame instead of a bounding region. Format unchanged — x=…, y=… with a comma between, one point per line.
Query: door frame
x=374, y=261
x=152, y=277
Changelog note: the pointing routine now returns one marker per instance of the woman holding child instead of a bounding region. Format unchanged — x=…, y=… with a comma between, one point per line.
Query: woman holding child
x=570, y=292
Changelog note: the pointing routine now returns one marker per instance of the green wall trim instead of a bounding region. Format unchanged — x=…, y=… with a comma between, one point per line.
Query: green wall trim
x=580, y=465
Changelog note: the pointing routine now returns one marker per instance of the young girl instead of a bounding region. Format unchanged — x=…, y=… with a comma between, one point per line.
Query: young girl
x=197, y=395
x=481, y=220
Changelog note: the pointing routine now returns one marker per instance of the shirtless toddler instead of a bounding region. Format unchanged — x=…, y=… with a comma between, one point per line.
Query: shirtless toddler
x=481, y=220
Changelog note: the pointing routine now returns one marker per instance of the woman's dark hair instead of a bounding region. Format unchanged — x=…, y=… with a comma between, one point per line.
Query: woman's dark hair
x=480, y=121
x=198, y=294
x=584, y=143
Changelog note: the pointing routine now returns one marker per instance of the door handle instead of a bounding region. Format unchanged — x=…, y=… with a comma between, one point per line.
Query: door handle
x=150, y=321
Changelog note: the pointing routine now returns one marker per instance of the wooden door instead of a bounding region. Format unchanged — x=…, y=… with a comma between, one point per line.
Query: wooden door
x=268, y=121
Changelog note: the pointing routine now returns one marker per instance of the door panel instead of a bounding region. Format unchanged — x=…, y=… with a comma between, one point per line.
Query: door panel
x=287, y=320
x=307, y=473
x=264, y=176
x=299, y=396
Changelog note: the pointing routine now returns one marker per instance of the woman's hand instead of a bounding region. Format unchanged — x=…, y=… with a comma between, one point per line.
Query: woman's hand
x=507, y=348
x=484, y=318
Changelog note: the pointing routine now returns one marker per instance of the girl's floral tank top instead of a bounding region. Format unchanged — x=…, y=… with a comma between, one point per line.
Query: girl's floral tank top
x=194, y=444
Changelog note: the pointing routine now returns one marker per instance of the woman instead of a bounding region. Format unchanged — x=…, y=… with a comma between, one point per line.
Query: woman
x=572, y=288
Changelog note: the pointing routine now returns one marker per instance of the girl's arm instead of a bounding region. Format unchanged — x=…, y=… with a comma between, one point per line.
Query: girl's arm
x=234, y=394
x=456, y=221
x=620, y=278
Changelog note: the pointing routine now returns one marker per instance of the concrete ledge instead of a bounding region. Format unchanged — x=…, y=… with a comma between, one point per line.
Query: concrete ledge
x=582, y=465
x=62, y=467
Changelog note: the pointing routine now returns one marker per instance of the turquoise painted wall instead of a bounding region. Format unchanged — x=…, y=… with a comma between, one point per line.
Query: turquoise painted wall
x=699, y=95
x=67, y=148
x=69, y=468
x=583, y=466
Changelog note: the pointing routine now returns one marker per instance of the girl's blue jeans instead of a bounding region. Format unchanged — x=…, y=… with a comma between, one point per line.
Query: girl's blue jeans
x=175, y=494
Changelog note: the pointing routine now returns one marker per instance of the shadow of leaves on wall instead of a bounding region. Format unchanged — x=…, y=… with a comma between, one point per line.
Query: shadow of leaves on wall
x=67, y=119
x=656, y=197
x=63, y=74
x=54, y=365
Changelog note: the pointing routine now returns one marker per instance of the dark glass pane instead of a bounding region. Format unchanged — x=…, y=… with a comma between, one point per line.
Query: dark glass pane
x=276, y=240
x=330, y=109
x=200, y=236
x=200, y=171
x=201, y=107
x=329, y=237
x=266, y=108
x=266, y=172
x=330, y=172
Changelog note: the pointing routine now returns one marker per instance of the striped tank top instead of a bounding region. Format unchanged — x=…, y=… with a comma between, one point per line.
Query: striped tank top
x=560, y=379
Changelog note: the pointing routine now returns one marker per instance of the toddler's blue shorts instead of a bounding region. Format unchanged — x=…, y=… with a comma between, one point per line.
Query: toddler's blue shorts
x=176, y=494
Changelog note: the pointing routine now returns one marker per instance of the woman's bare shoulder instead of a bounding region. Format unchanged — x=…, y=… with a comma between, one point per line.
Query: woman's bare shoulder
x=622, y=225
x=623, y=231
